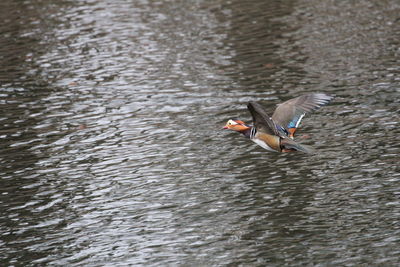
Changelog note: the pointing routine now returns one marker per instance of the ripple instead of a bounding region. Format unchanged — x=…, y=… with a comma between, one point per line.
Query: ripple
x=112, y=150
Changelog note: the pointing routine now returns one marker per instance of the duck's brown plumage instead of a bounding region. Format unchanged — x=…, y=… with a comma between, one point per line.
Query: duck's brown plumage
x=267, y=132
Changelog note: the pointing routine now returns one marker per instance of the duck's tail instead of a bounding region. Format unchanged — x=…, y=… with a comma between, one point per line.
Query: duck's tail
x=288, y=145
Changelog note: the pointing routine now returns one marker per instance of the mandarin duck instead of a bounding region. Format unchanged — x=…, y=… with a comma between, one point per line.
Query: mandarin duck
x=276, y=133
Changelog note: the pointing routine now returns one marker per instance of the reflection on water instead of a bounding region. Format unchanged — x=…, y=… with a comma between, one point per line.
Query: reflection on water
x=111, y=143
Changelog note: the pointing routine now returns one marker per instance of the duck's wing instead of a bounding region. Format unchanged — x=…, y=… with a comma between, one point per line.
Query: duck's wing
x=289, y=113
x=261, y=121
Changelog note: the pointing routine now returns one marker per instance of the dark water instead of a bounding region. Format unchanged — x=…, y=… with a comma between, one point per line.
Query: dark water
x=111, y=148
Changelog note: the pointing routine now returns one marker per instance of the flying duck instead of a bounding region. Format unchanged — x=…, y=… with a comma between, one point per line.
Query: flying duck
x=276, y=133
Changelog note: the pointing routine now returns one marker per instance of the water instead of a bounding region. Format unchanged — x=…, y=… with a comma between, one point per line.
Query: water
x=112, y=151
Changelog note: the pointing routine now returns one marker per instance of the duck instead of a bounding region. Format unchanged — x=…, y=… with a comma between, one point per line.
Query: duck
x=276, y=133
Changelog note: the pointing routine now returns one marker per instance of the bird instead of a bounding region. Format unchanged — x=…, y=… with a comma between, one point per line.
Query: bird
x=276, y=133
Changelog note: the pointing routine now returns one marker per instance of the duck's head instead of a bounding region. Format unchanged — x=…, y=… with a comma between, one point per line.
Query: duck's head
x=236, y=125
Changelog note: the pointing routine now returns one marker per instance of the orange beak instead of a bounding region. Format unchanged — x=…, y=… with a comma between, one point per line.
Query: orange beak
x=225, y=127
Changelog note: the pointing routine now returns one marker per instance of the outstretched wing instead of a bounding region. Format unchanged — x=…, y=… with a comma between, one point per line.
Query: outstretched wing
x=289, y=113
x=262, y=122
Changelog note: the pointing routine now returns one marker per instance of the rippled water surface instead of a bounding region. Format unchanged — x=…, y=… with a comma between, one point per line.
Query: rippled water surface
x=111, y=148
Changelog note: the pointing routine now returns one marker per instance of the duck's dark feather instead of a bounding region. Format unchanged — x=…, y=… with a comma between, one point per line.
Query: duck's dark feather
x=261, y=120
